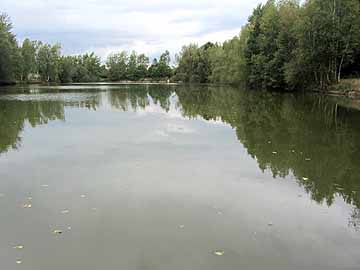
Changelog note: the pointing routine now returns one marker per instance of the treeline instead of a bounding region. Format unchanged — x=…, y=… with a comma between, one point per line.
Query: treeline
x=284, y=45
x=41, y=62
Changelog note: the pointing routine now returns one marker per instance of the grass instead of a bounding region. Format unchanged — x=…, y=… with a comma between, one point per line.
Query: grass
x=347, y=86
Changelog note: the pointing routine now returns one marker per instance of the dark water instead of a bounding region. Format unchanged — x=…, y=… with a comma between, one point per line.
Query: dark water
x=170, y=177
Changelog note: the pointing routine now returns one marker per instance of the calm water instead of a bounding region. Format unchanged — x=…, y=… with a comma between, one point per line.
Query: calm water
x=170, y=177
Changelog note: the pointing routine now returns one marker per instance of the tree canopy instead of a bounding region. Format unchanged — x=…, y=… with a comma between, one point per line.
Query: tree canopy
x=285, y=45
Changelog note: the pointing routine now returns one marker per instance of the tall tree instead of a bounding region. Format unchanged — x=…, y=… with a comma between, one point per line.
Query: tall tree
x=117, y=64
x=28, y=52
x=48, y=59
x=10, y=57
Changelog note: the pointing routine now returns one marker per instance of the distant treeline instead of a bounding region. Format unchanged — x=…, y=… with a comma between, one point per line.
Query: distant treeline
x=285, y=45
x=41, y=62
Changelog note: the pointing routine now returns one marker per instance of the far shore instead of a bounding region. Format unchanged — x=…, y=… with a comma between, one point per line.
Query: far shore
x=348, y=88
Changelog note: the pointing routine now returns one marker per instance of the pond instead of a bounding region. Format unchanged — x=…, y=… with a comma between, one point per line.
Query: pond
x=177, y=177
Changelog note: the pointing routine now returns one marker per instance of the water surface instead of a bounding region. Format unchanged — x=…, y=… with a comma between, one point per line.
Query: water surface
x=174, y=177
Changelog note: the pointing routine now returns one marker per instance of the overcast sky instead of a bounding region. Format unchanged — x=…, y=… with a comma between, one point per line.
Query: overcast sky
x=147, y=26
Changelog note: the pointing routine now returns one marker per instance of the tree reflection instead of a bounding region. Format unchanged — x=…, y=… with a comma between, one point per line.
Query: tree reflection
x=310, y=137
x=15, y=114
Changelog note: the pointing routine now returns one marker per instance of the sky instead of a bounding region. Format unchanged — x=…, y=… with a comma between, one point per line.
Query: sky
x=146, y=26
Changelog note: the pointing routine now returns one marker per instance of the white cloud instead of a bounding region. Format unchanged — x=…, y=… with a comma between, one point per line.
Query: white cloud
x=148, y=26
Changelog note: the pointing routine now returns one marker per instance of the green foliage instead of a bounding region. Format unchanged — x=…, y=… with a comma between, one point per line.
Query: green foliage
x=48, y=59
x=142, y=66
x=10, y=57
x=292, y=46
x=194, y=64
x=285, y=45
x=117, y=66
x=28, y=52
x=227, y=61
x=161, y=69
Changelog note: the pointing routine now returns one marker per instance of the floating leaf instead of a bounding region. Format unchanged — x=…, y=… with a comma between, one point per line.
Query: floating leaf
x=274, y=153
x=219, y=252
x=19, y=247
x=57, y=232
x=18, y=261
x=27, y=205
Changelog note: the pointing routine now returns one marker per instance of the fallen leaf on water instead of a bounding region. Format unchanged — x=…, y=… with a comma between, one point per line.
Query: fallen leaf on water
x=305, y=178
x=18, y=261
x=219, y=252
x=274, y=152
x=19, y=247
x=27, y=205
x=57, y=232
x=65, y=211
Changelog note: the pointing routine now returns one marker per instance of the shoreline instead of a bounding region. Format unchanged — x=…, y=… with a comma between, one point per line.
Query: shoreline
x=348, y=88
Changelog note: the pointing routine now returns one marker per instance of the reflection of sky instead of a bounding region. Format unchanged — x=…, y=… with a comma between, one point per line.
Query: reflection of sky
x=145, y=26
x=175, y=111
x=146, y=172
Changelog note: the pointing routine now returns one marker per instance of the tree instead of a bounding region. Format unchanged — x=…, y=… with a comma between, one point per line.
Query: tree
x=328, y=40
x=164, y=65
x=68, y=69
x=194, y=63
x=10, y=57
x=28, y=52
x=154, y=69
x=132, y=67
x=117, y=64
x=142, y=66
x=48, y=59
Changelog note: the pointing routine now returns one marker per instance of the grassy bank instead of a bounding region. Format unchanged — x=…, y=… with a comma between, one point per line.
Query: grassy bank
x=347, y=87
